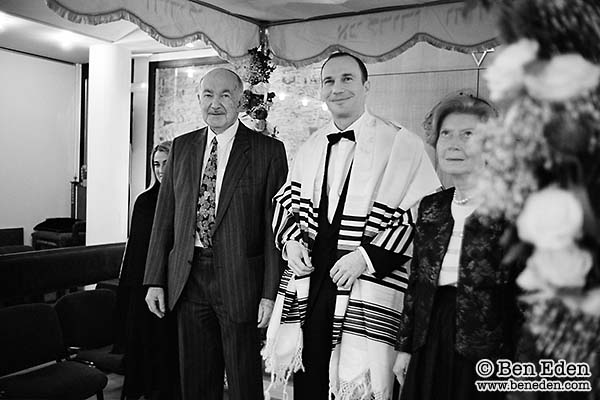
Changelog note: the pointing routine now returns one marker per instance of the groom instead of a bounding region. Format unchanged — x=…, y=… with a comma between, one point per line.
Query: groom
x=344, y=223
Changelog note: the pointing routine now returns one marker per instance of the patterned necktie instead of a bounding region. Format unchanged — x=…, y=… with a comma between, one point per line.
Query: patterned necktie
x=206, y=210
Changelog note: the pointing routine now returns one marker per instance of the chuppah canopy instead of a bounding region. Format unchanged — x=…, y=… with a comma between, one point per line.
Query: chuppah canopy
x=298, y=32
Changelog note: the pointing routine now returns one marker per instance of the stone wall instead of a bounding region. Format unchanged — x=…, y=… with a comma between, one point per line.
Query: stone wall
x=296, y=111
x=403, y=89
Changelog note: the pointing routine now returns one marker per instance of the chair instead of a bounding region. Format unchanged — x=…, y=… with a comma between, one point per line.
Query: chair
x=31, y=337
x=87, y=319
x=14, y=248
x=11, y=237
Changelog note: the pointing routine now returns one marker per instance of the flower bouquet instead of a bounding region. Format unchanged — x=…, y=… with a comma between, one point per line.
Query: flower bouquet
x=257, y=98
x=543, y=168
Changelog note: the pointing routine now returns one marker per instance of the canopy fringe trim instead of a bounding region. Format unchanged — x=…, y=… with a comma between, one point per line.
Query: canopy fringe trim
x=122, y=14
x=419, y=37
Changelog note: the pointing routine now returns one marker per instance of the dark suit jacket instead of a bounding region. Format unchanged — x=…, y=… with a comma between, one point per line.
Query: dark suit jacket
x=246, y=260
x=485, y=296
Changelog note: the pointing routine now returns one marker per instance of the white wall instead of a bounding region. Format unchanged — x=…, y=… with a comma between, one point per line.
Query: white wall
x=38, y=139
x=139, y=128
x=406, y=88
x=108, y=144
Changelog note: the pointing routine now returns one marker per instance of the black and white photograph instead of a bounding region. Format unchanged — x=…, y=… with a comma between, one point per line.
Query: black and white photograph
x=300, y=200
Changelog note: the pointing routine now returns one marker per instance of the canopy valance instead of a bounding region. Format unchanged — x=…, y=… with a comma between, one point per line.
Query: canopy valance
x=298, y=32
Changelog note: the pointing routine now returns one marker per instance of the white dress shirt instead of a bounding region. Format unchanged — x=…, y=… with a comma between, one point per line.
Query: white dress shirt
x=224, y=145
x=340, y=160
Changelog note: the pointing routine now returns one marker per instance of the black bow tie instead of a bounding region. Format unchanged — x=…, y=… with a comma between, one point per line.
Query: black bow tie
x=336, y=137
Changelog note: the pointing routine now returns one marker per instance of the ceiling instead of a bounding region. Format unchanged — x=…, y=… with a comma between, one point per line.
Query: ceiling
x=285, y=11
x=29, y=26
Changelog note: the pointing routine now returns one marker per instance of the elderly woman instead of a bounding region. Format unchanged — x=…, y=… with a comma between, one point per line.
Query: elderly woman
x=459, y=303
x=149, y=346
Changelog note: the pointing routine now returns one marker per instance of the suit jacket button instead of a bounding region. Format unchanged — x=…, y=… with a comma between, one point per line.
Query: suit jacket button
x=190, y=262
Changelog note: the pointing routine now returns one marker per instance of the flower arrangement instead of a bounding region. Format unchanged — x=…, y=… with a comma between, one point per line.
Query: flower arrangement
x=547, y=78
x=543, y=166
x=257, y=99
x=551, y=125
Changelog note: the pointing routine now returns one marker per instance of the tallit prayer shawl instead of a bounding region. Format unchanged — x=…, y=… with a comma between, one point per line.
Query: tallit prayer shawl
x=391, y=173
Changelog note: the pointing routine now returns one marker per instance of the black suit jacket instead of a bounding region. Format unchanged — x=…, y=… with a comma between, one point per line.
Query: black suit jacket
x=247, y=262
x=486, y=307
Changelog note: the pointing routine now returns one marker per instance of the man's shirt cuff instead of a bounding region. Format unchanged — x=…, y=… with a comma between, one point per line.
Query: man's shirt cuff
x=370, y=267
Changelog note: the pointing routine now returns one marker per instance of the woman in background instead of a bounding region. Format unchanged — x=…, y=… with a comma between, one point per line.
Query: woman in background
x=150, y=343
x=459, y=303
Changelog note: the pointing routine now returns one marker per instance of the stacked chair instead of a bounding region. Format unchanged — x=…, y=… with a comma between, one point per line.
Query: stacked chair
x=87, y=319
x=33, y=358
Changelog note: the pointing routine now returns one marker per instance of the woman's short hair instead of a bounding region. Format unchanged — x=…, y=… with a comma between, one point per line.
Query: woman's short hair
x=164, y=147
x=461, y=102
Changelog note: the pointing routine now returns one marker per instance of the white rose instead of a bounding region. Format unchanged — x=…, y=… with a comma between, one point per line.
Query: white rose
x=551, y=219
x=551, y=269
x=260, y=125
x=562, y=78
x=260, y=88
x=591, y=302
x=506, y=74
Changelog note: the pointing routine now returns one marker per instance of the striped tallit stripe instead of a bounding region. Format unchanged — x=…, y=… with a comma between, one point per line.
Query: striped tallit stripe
x=341, y=303
x=386, y=227
x=372, y=321
x=396, y=284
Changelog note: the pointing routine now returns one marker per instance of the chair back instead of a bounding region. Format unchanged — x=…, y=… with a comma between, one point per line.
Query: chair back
x=30, y=335
x=87, y=318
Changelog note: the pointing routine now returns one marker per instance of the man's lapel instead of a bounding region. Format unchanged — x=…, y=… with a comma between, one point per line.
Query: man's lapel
x=196, y=156
x=238, y=160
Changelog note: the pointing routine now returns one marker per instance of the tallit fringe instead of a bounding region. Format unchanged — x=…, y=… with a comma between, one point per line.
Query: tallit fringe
x=358, y=389
x=281, y=374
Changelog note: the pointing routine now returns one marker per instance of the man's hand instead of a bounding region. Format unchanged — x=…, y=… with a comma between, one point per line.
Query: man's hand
x=155, y=298
x=265, y=308
x=347, y=269
x=401, y=366
x=298, y=258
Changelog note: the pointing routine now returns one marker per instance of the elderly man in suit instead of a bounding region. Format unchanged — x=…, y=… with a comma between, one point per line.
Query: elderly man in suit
x=212, y=258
